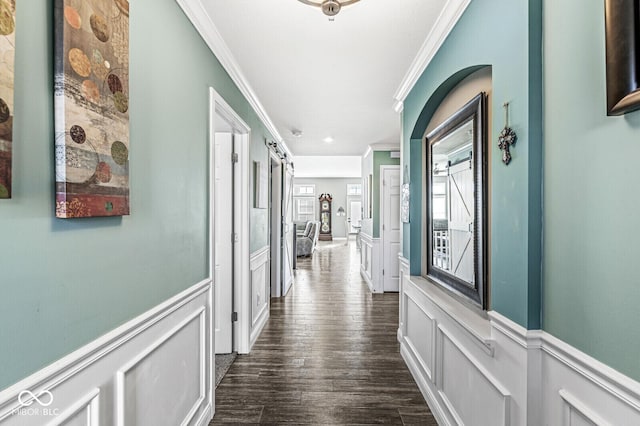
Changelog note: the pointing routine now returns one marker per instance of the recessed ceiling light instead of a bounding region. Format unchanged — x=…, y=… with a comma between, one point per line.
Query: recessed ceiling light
x=328, y=139
x=296, y=133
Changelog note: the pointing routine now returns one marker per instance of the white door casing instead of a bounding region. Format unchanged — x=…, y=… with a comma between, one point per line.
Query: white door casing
x=276, y=167
x=223, y=223
x=287, y=230
x=390, y=223
x=223, y=117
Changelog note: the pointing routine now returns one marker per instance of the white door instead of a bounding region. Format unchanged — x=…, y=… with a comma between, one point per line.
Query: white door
x=461, y=213
x=355, y=213
x=390, y=227
x=287, y=226
x=223, y=250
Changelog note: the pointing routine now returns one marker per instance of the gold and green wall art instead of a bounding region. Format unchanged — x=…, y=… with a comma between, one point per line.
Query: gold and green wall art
x=92, y=108
x=7, y=55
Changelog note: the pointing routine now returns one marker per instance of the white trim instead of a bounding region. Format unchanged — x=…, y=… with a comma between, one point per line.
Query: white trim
x=542, y=379
x=411, y=359
x=448, y=18
x=572, y=403
x=197, y=14
x=371, y=271
x=121, y=375
x=90, y=402
x=381, y=147
x=242, y=135
x=86, y=378
x=260, y=258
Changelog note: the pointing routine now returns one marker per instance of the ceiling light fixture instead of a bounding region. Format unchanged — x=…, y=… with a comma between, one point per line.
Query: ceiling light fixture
x=328, y=139
x=329, y=7
x=296, y=133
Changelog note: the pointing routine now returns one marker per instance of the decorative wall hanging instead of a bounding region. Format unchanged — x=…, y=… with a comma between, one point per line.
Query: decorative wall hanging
x=92, y=108
x=622, y=28
x=507, y=137
x=7, y=54
x=405, y=197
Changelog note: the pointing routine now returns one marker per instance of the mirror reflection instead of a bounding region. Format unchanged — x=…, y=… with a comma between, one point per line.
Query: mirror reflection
x=452, y=203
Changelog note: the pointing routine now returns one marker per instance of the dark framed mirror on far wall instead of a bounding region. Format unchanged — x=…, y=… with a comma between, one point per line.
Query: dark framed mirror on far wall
x=622, y=30
x=456, y=202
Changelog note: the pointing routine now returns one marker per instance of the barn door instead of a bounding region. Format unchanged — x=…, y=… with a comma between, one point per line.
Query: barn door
x=461, y=216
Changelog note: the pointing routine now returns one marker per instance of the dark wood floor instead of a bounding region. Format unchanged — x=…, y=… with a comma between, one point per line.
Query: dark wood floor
x=329, y=355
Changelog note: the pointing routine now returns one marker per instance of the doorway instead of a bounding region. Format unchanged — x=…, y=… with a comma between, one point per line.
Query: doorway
x=224, y=235
x=228, y=239
x=390, y=224
x=275, y=215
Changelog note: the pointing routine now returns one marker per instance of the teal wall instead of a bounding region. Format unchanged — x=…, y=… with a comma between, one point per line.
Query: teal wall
x=380, y=158
x=66, y=282
x=506, y=35
x=592, y=240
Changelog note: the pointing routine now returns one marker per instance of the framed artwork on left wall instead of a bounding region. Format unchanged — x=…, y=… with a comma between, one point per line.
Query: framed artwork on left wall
x=91, y=108
x=7, y=55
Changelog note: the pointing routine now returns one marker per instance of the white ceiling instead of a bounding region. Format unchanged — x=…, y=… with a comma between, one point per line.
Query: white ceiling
x=326, y=78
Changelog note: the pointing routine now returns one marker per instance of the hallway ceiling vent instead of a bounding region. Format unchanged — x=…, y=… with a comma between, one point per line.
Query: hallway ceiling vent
x=329, y=7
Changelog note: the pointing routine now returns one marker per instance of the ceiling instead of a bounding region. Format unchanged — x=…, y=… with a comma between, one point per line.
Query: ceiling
x=327, y=79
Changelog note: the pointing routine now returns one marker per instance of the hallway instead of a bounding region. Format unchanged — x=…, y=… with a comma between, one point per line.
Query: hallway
x=329, y=354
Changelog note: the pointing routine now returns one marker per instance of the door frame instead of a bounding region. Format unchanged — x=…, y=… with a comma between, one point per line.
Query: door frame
x=275, y=235
x=241, y=288
x=384, y=168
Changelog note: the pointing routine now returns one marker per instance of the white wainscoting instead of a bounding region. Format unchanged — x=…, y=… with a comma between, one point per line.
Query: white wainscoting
x=260, y=290
x=371, y=263
x=155, y=369
x=476, y=369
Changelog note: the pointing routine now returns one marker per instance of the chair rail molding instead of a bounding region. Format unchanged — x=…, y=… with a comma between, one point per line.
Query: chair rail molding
x=514, y=376
x=127, y=373
x=448, y=18
x=197, y=14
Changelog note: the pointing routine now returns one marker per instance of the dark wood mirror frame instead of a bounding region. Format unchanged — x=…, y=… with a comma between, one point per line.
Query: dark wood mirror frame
x=622, y=28
x=474, y=110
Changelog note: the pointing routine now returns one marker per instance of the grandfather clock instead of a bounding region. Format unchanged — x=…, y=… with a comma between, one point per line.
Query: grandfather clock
x=325, y=218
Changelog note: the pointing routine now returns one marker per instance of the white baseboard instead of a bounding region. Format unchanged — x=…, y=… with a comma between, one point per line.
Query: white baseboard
x=490, y=370
x=153, y=369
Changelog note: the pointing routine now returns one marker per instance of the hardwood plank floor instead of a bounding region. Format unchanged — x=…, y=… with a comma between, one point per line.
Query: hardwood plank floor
x=329, y=355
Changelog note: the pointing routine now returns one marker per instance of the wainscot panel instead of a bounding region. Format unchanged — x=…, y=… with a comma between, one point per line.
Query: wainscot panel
x=484, y=369
x=156, y=368
x=260, y=290
x=371, y=263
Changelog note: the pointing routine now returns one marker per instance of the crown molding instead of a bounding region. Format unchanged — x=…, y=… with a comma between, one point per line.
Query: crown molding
x=448, y=18
x=197, y=14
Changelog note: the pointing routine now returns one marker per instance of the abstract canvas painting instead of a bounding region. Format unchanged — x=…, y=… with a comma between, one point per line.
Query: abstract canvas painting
x=7, y=54
x=92, y=108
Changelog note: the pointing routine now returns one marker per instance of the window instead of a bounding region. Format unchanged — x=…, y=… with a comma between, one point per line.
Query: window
x=304, y=209
x=456, y=203
x=354, y=189
x=308, y=190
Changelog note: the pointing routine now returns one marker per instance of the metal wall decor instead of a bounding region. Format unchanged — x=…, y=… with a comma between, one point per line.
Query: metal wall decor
x=622, y=29
x=405, y=196
x=507, y=137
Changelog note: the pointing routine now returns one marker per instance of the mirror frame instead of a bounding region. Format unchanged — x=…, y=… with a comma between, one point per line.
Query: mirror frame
x=474, y=110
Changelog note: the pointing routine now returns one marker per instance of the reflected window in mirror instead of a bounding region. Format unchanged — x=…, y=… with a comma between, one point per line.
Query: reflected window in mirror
x=456, y=202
